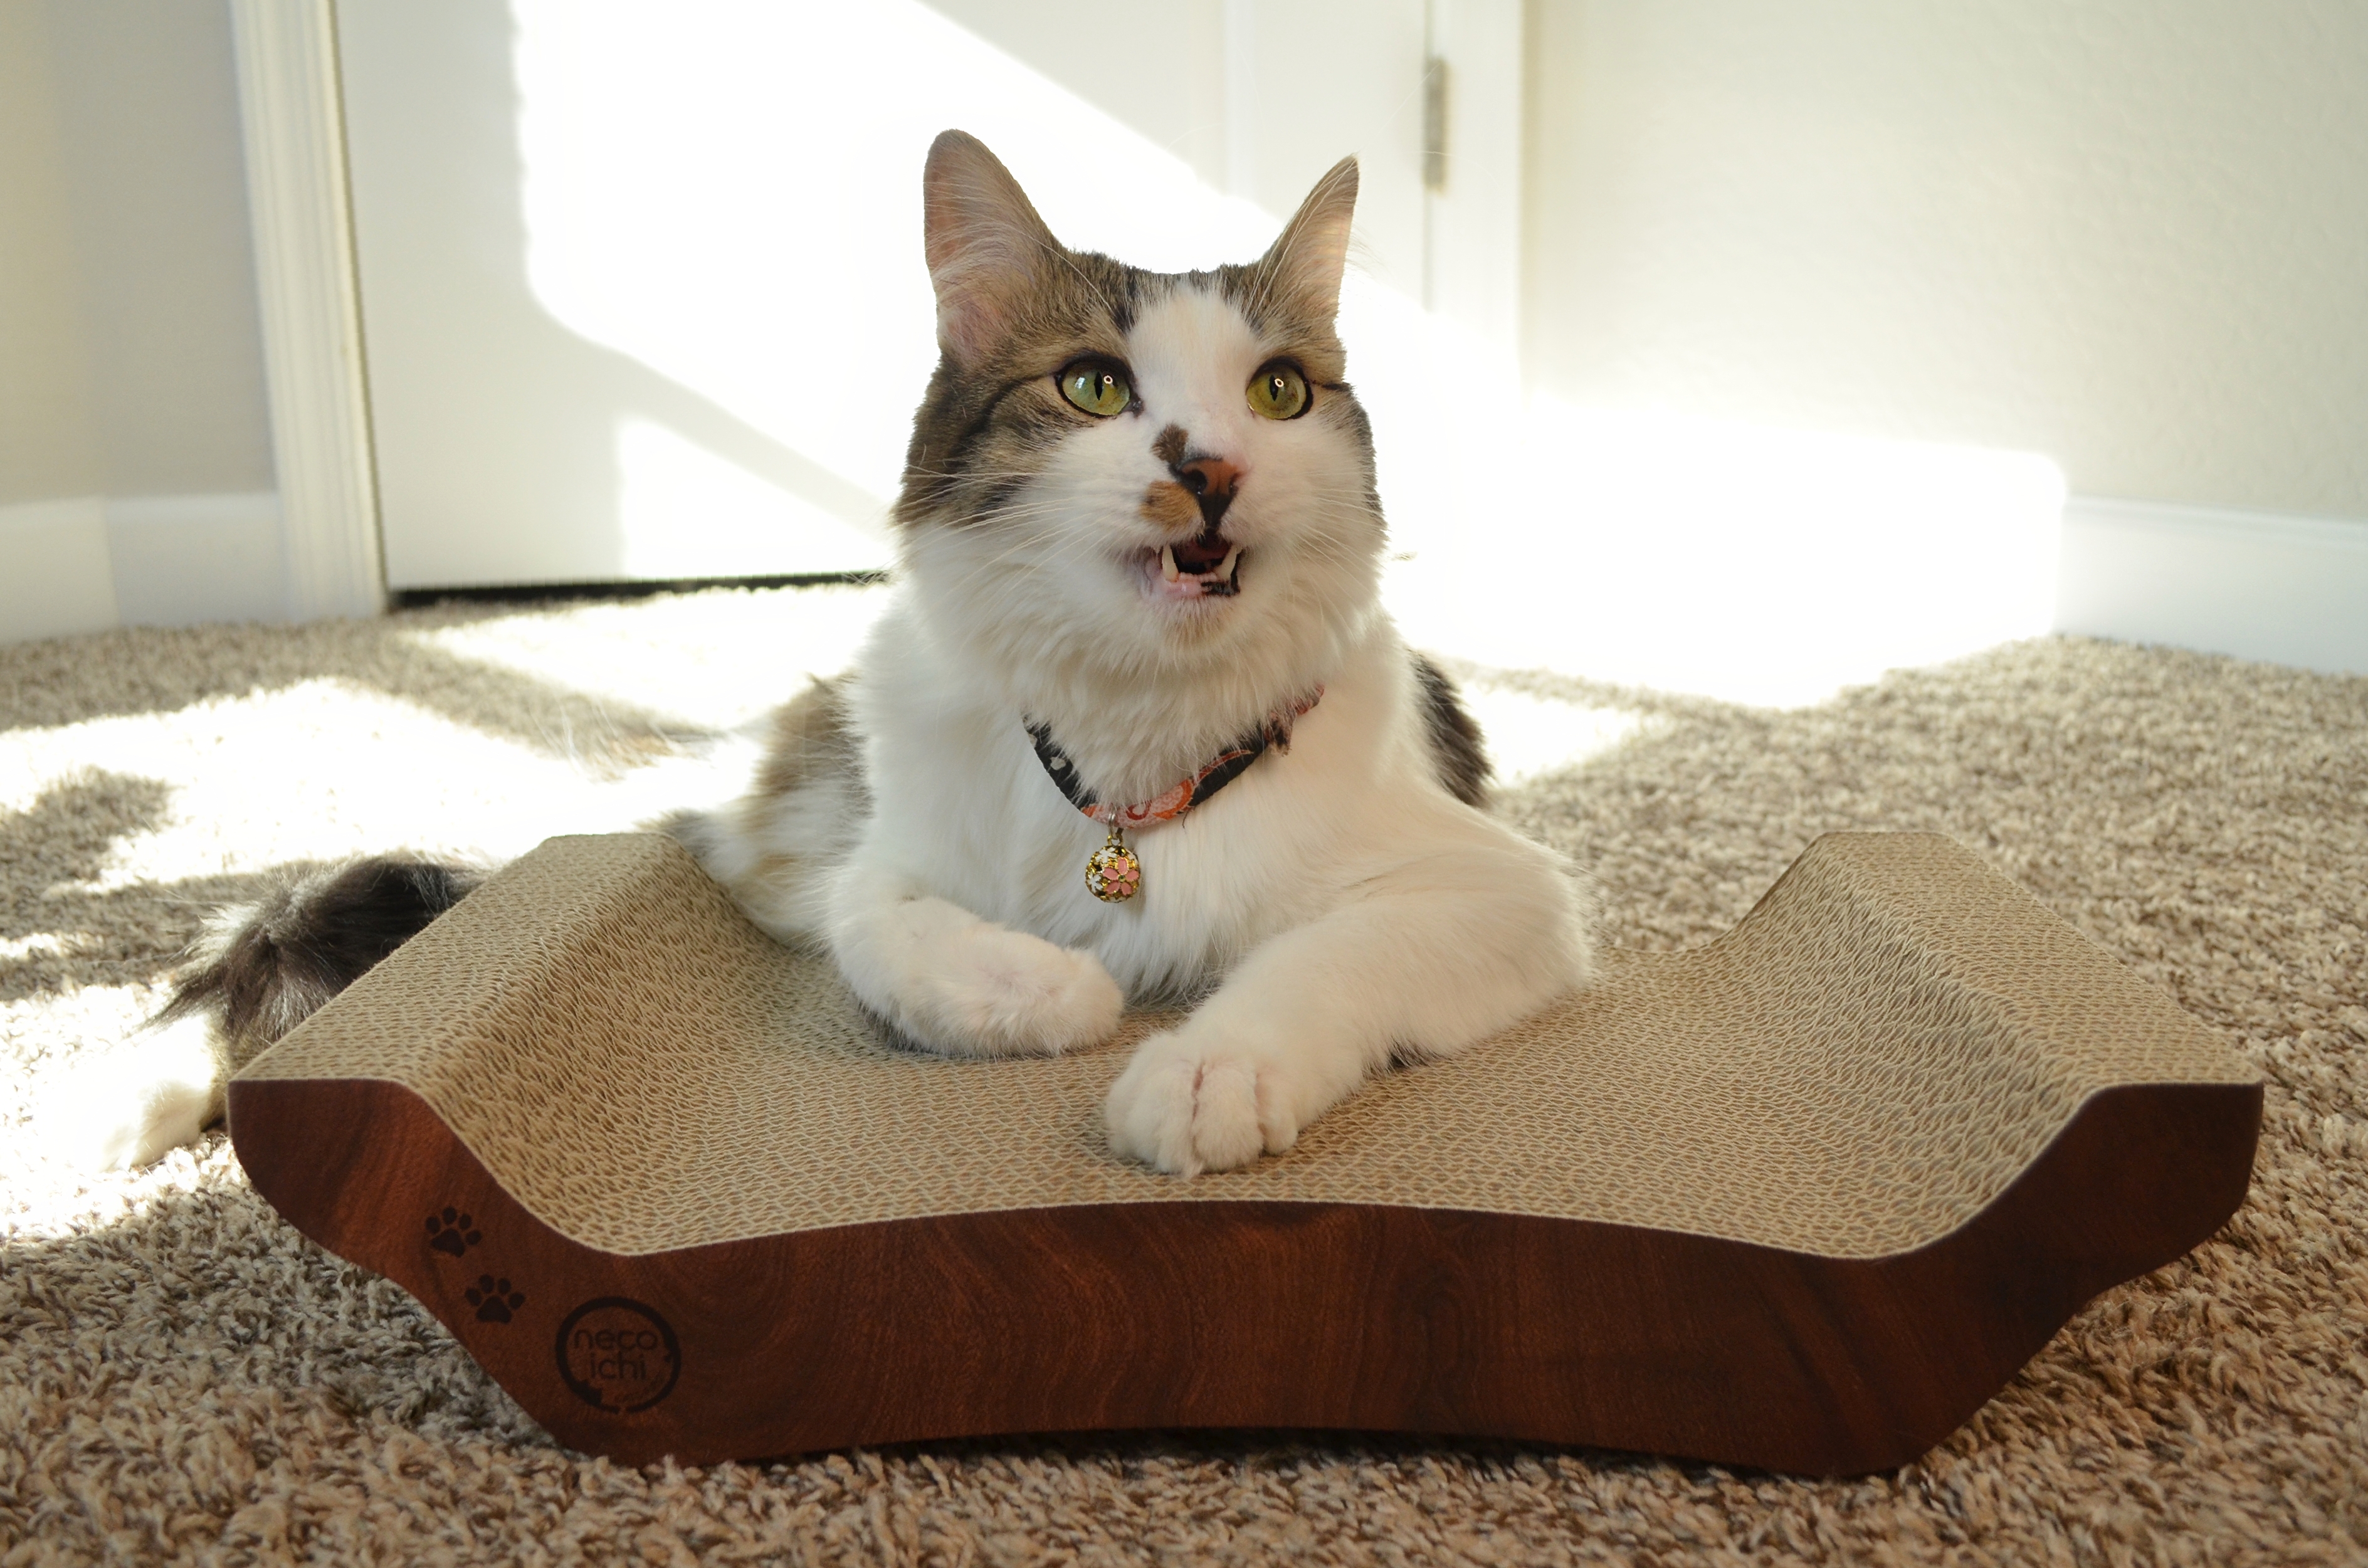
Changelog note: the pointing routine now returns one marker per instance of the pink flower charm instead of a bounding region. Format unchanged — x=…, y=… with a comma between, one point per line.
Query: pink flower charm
x=1113, y=875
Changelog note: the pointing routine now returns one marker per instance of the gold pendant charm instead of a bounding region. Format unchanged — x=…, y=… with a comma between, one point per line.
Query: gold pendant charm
x=1114, y=875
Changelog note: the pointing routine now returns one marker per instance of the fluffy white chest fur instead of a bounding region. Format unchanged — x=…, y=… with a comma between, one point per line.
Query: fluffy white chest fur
x=963, y=808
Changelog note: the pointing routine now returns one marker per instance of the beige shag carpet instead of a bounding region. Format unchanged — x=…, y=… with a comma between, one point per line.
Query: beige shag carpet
x=182, y=1377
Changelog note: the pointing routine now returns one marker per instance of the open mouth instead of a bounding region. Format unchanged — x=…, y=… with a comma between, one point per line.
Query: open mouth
x=1206, y=567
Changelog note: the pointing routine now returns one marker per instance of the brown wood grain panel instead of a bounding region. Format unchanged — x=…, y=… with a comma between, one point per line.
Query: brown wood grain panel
x=1196, y=1313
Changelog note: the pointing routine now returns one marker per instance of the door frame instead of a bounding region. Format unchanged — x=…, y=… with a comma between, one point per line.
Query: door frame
x=292, y=126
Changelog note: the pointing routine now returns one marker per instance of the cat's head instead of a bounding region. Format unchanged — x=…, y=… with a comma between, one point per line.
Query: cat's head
x=1159, y=473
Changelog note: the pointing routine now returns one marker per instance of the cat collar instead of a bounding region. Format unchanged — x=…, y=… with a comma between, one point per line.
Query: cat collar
x=1114, y=874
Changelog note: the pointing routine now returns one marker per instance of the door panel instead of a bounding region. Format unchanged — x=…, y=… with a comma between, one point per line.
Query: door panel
x=642, y=288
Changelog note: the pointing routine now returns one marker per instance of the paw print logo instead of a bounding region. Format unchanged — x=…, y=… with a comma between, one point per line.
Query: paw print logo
x=452, y=1232
x=494, y=1299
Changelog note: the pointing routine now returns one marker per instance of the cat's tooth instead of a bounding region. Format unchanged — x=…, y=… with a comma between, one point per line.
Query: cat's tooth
x=1167, y=563
x=1224, y=571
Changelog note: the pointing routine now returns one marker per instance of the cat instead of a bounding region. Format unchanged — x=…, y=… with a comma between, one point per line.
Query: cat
x=1134, y=726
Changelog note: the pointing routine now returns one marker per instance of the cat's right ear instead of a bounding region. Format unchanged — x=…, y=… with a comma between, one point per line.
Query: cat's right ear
x=986, y=246
x=1304, y=266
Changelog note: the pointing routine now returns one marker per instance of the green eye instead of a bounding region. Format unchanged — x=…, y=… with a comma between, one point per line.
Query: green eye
x=1098, y=386
x=1279, y=390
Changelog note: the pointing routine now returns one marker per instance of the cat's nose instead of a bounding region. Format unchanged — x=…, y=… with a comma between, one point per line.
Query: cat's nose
x=1212, y=482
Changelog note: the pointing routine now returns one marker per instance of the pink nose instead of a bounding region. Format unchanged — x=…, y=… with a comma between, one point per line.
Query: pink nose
x=1212, y=482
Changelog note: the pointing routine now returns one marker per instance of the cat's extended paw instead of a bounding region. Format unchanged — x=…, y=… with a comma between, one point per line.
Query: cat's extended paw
x=995, y=992
x=1185, y=1107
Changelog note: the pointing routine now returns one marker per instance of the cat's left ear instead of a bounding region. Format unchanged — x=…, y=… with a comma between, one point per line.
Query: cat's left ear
x=1304, y=266
x=987, y=248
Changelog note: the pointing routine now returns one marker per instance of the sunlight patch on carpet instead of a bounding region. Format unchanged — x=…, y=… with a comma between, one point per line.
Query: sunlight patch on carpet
x=717, y=660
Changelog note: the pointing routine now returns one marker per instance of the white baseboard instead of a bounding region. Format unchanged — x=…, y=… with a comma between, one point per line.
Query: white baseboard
x=58, y=580
x=92, y=563
x=2258, y=584
x=184, y=559
x=2255, y=584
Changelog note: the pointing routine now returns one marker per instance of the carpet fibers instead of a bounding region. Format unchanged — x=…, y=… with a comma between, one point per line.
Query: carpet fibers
x=182, y=1377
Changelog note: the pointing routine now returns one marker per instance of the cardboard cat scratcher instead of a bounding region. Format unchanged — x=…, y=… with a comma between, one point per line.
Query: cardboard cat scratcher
x=1804, y=1198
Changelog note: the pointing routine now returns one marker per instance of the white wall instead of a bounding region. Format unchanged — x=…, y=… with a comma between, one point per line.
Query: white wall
x=49, y=436
x=2130, y=236
x=2125, y=237
x=135, y=448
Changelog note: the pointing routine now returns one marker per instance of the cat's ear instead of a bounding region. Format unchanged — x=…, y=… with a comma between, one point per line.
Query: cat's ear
x=1304, y=266
x=986, y=246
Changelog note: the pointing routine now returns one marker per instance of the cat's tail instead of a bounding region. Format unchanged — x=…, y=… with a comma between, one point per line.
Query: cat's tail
x=260, y=969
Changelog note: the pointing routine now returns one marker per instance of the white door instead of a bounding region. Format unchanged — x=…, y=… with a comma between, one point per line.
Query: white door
x=642, y=286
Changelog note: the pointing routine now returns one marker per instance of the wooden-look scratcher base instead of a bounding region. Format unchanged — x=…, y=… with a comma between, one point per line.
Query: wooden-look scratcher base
x=1802, y=1198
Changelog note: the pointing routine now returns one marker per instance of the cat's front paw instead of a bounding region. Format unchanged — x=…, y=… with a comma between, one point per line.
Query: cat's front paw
x=1185, y=1106
x=997, y=992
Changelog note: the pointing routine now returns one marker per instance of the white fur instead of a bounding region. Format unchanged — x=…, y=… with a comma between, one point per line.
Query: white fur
x=1334, y=906
x=161, y=1089
x=774, y=851
x=134, y=1104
